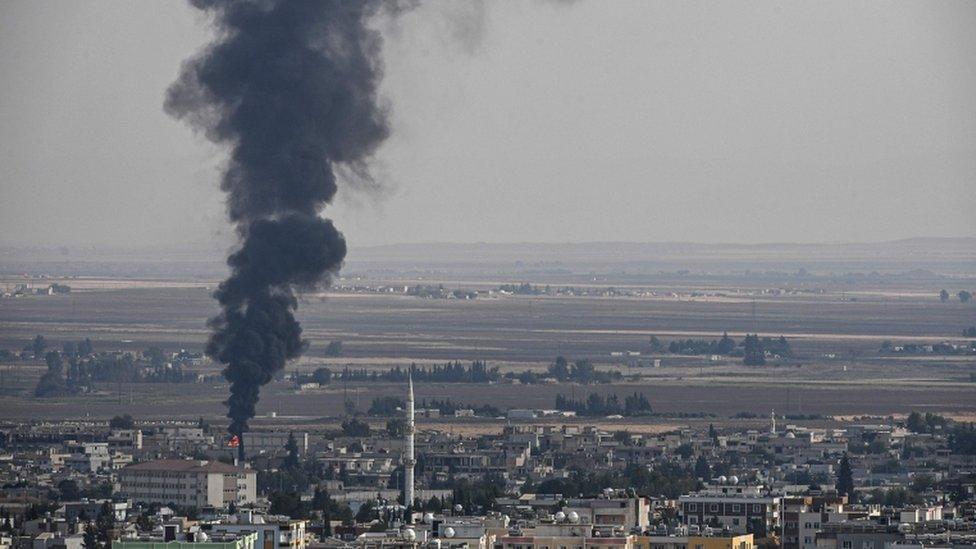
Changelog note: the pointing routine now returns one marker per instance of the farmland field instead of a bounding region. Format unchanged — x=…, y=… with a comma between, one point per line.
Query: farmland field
x=834, y=324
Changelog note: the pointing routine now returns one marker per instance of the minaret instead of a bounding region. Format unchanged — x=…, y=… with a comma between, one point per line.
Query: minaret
x=409, y=460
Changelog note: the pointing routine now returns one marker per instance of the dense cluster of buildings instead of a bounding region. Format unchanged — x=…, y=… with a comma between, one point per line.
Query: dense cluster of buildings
x=878, y=485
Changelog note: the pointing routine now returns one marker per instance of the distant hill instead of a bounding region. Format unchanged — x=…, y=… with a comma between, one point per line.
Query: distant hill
x=948, y=255
x=945, y=256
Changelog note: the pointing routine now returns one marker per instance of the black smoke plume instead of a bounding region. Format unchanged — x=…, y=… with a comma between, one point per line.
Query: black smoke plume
x=290, y=86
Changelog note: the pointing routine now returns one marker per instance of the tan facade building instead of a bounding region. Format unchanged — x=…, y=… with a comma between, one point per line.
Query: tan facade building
x=188, y=482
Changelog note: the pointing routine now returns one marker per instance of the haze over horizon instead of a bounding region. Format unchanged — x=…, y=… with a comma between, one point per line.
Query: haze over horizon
x=529, y=122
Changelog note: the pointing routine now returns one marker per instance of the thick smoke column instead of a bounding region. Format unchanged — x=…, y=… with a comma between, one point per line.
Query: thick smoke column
x=291, y=87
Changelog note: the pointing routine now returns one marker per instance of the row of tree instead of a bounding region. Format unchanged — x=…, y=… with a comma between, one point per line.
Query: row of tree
x=70, y=374
x=451, y=372
x=964, y=296
x=723, y=346
x=580, y=371
x=597, y=405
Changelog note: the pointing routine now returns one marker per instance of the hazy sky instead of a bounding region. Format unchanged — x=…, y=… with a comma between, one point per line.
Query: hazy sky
x=529, y=121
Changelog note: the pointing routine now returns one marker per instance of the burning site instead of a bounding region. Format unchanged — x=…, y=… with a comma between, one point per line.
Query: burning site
x=290, y=89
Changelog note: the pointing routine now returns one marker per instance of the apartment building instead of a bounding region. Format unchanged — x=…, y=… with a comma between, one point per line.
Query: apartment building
x=742, y=509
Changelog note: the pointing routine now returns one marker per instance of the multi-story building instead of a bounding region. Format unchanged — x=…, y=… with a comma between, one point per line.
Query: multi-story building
x=568, y=536
x=272, y=442
x=742, y=509
x=715, y=541
x=87, y=457
x=172, y=539
x=627, y=513
x=804, y=516
x=859, y=534
x=127, y=439
x=188, y=482
x=274, y=532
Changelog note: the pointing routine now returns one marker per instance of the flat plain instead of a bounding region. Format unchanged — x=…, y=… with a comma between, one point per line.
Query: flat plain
x=835, y=323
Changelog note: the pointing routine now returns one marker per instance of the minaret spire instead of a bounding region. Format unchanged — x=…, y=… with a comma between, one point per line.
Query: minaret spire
x=409, y=459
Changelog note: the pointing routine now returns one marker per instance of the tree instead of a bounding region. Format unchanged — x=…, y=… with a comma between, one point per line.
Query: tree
x=365, y=513
x=322, y=376
x=69, y=490
x=85, y=348
x=583, y=371
x=291, y=460
x=122, y=422
x=965, y=296
x=322, y=502
x=845, y=478
x=105, y=523
x=944, y=295
x=656, y=345
x=38, y=345
x=915, y=422
x=289, y=504
x=702, y=468
x=725, y=345
x=754, y=354
x=90, y=538
x=334, y=348
x=52, y=382
x=355, y=428
x=434, y=505
x=144, y=523
x=559, y=369
x=396, y=427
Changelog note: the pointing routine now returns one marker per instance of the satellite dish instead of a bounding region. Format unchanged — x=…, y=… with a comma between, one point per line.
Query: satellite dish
x=449, y=532
x=409, y=534
x=722, y=479
x=560, y=516
x=734, y=479
x=574, y=517
x=458, y=508
x=428, y=517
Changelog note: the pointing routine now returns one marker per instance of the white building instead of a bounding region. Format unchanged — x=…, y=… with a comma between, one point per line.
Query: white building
x=188, y=482
x=274, y=532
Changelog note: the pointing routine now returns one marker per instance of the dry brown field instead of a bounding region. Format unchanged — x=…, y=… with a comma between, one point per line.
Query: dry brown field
x=835, y=334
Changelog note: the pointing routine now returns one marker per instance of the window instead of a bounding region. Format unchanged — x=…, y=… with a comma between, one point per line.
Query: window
x=757, y=508
x=847, y=545
x=713, y=508
x=736, y=508
x=692, y=507
x=735, y=522
x=692, y=520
